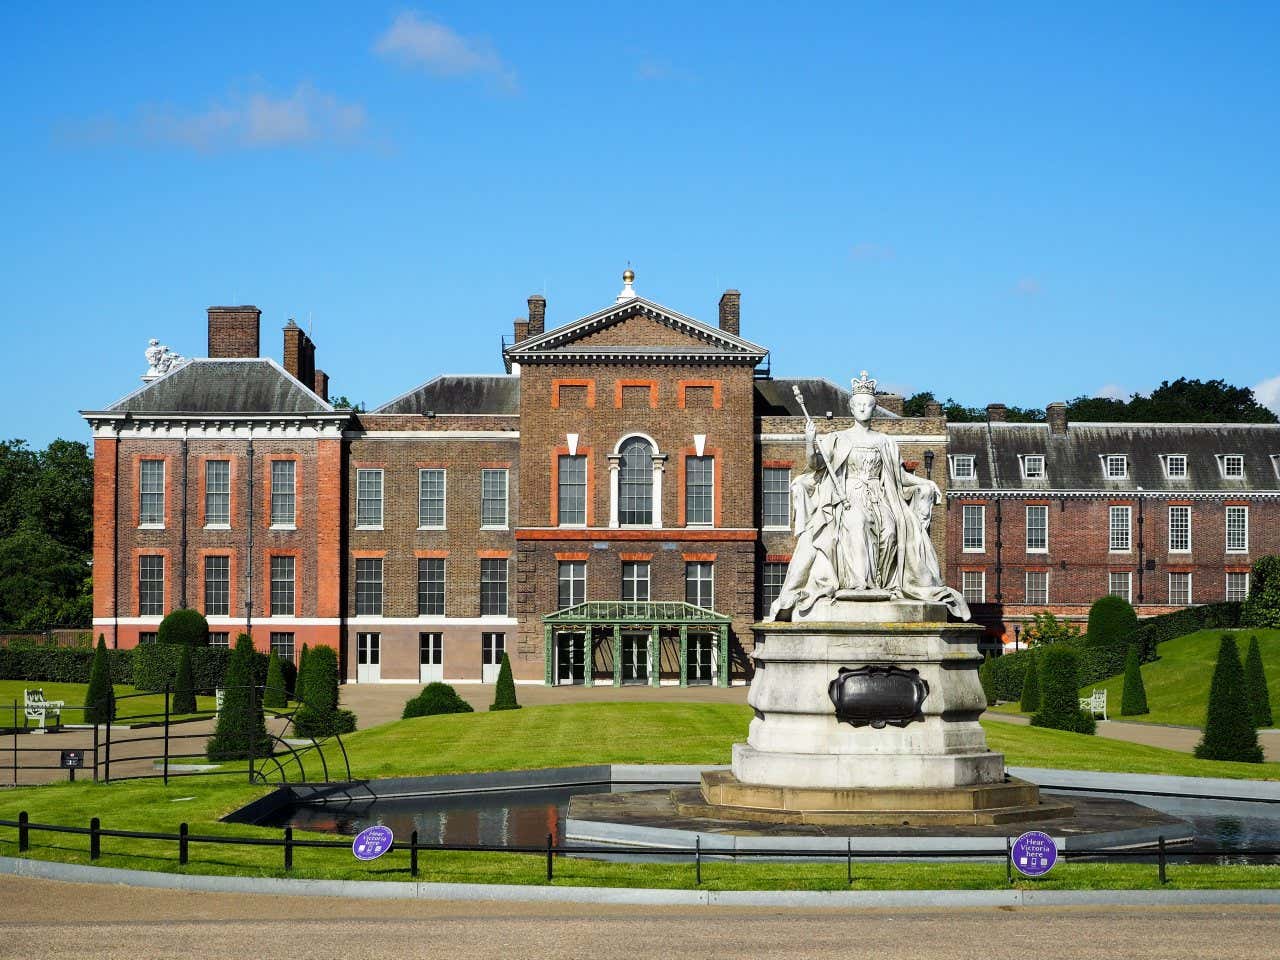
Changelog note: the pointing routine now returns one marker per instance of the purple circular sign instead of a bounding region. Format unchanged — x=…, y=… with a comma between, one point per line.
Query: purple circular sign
x=1034, y=853
x=372, y=842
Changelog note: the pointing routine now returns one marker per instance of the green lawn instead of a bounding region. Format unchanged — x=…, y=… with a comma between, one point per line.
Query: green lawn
x=1178, y=683
x=565, y=735
x=149, y=707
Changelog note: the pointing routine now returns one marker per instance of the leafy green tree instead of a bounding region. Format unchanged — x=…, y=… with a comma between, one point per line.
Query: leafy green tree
x=1255, y=684
x=1045, y=629
x=1060, y=692
x=274, y=696
x=184, y=687
x=1030, y=702
x=504, y=695
x=185, y=626
x=1229, y=733
x=1262, y=606
x=241, y=727
x=1112, y=621
x=1133, y=701
x=100, y=698
x=1178, y=401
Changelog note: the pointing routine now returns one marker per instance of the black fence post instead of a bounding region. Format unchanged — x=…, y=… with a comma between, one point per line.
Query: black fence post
x=413, y=854
x=106, y=762
x=95, y=751
x=95, y=838
x=249, y=718
x=288, y=848
x=182, y=844
x=549, y=867
x=24, y=834
x=166, y=734
x=15, y=743
x=1008, y=860
x=1163, y=876
x=697, y=859
x=849, y=862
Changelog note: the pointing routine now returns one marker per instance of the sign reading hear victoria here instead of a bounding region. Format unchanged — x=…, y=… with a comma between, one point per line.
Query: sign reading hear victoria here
x=878, y=695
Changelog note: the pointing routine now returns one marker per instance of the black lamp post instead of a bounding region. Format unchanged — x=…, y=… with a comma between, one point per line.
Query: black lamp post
x=1017, y=636
x=928, y=464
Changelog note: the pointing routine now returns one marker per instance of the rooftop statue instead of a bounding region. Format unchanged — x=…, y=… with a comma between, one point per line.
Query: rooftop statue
x=861, y=522
x=160, y=360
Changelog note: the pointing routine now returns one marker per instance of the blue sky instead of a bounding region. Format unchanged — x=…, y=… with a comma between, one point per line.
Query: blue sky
x=995, y=202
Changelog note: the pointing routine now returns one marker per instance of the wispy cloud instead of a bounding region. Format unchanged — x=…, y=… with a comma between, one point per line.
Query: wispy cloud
x=440, y=50
x=1111, y=391
x=870, y=251
x=1029, y=287
x=245, y=120
x=1268, y=394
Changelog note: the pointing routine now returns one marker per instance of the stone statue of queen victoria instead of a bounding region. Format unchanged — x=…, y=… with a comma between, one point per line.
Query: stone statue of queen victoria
x=861, y=522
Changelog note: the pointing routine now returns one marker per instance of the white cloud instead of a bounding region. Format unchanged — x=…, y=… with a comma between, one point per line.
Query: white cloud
x=442, y=51
x=1029, y=287
x=1111, y=391
x=1268, y=394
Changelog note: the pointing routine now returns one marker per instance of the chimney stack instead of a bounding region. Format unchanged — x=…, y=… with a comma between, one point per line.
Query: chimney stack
x=233, y=331
x=521, y=326
x=299, y=354
x=933, y=409
x=322, y=385
x=537, y=315
x=730, y=303
x=997, y=413
x=893, y=402
x=1057, y=416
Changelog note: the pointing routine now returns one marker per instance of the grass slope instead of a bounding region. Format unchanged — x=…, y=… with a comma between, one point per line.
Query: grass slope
x=149, y=706
x=1178, y=683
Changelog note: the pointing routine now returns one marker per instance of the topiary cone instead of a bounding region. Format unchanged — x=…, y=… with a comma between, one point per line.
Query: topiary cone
x=184, y=688
x=1229, y=733
x=1133, y=701
x=273, y=695
x=504, y=695
x=1255, y=684
x=100, y=698
x=1030, y=702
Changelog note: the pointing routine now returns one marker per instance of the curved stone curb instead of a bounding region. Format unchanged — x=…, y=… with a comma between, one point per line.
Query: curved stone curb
x=618, y=896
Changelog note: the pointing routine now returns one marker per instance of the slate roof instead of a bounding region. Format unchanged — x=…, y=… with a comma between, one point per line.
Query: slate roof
x=776, y=398
x=227, y=386
x=1073, y=462
x=459, y=394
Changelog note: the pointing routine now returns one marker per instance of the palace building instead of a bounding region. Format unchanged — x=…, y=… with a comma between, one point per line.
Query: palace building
x=612, y=507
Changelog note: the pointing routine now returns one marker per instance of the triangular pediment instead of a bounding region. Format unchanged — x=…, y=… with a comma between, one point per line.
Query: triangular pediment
x=633, y=328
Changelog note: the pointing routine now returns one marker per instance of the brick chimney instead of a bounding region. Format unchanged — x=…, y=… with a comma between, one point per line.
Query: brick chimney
x=997, y=413
x=233, y=331
x=322, y=385
x=521, y=326
x=1056, y=413
x=933, y=409
x=893, y=402
x=730, y=305
x=299, y=354
x=537, y=315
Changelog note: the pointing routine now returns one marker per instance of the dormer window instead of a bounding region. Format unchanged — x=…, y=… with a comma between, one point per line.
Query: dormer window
x=1231, y=465
x=1032, y=466
x=1116, y=466
x=1175, y=466
x=962, y=467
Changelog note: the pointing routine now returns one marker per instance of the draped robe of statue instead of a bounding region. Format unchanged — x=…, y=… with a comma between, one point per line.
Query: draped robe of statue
x=873, y=540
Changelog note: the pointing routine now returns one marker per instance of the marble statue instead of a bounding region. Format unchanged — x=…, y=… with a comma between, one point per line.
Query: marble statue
x=160, y=359
x=861, y=522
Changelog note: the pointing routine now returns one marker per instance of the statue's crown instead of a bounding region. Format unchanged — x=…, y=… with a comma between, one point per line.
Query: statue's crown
x=864, y=384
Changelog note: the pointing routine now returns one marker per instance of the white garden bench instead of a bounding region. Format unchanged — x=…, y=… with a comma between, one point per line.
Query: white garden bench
x=38, y=707
x=1096, y=704
x=219, y=695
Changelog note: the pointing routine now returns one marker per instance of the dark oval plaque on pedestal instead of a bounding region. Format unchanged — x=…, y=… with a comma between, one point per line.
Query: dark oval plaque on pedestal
x=878, y=695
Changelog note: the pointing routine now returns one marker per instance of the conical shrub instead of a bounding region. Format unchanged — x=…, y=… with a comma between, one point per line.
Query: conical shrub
x=299, y=683
x=1060, y=693
x=241, y=727
x=184, y=687
x=504, y=695
x=1229, y=733
x=1255, y=684
x=273, y=695
x=100, y=698
x=1031, y=686
x=1133, y=701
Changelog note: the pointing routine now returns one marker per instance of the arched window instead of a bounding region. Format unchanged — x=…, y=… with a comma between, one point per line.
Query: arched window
x=635, y=483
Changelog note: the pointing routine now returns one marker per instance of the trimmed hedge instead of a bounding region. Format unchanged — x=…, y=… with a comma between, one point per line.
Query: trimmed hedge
x=62, y=664
x=184, y=626
x=155, y=665
x=319, y=715
x=184, y=689
x=1133, y=697
x=241, y=729
x=1112, y=622
x=1031, y=686
x=435, y=698
x=1262, y=608
x=1060, y=693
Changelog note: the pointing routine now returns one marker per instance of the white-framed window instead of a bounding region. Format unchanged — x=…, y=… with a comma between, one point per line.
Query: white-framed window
x=431, y=586
x=1120, y=584
x=368, y=586
x=572, y=583
x=1237, y=529
x=1115, y=466
x=282, y=646
x=493, y=498
x=776, y=495
x=1037, y=529
x=493, y=587
x=217, y=493
x=635, y=483
x=1232, y=466
x=151, y=493
x=772, y=576
x=1033, y=466
x=962, y=466
x=217, y=586
x=220, y=638
x=283, y=493
x=635, y=580
x=369, y=498
x=1038, y=587
x=973, y=586
x=1237, y=585
x=1180, y=529
x=1121, y=540
x=282, y=586
x=150, y=585
x=699, y=491
x=431, y=498
x=1175, y=466
x=699, y=583
x=1179, y=589
x=973, y=532
x=571, y=490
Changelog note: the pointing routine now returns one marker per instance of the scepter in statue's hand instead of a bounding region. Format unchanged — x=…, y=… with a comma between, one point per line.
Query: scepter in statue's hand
x=811, y=427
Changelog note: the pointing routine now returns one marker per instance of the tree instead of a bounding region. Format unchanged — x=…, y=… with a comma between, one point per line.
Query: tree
x=1229, y=733
x=435, y=698
x=1262, y=606
x=184, y=687
x=274, y=696
x=1133, y=701
x=241, y=728
x=1255, y=684
x=1060, y=692
x=299, y=683
x=100, y=698
x=188, y=627
x=1178, y=401
x=1112, y=621
x=1045, y=629
x=319, y=715
x=1031, y=686
x=504, y=695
